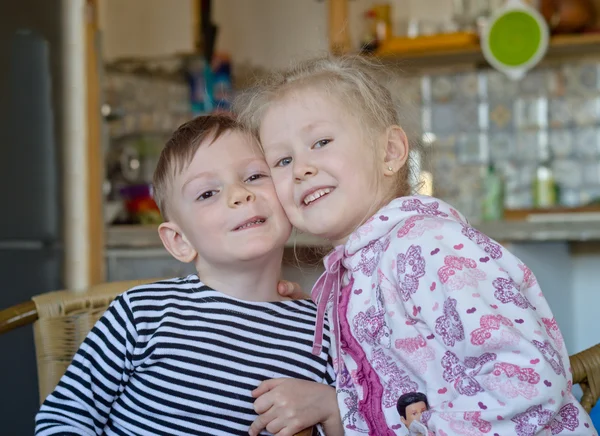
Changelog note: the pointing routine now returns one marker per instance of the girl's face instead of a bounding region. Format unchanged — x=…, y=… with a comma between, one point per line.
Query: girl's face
x=327, y=173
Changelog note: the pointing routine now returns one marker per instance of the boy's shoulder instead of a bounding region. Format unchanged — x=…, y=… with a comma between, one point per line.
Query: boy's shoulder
x=166, y=288
x=190, y=281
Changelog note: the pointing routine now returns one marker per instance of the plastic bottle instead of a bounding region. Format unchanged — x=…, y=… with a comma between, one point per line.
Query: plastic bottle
x=223, y=88
x=545, y=189
x=493, y=200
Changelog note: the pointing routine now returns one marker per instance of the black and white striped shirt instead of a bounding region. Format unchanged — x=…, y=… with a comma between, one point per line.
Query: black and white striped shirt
x=179, y=358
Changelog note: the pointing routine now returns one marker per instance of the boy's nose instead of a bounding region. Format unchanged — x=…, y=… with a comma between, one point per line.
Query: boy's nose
x=247, y=199
x=240, y=196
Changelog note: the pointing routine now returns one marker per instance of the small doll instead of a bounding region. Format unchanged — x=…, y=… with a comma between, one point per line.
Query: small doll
x=410, y=407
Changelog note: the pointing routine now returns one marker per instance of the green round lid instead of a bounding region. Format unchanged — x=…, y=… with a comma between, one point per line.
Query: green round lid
x=515, y=38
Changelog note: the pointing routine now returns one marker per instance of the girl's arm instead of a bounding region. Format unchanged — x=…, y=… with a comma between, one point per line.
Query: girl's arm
x=499, y=364
x=286, y=406
x=291, y=290
x=82, y=401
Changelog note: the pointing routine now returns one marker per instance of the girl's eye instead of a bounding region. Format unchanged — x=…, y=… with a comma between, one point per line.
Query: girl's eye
x=322, y=143
x=254, y=177
x=284, y=162
x=206, y=195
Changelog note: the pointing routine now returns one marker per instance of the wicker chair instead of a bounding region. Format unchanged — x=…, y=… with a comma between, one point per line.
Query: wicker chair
x=61, y=321
x=586, y=373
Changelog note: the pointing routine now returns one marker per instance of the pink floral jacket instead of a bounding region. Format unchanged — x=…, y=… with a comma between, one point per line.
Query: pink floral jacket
x=423, y=302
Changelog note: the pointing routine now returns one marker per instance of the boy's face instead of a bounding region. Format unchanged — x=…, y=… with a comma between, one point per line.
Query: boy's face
x=225, y=205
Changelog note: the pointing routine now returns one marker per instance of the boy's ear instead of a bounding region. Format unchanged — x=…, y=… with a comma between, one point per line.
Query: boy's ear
x=396, y=150
x=176, y=243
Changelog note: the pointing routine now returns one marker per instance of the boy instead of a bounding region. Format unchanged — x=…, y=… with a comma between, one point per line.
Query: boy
x=182, y=356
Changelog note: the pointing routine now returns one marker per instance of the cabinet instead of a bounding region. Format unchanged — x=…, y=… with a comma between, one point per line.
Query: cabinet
x=147, y=263
x=151, y=263
x=273, y=33
x=146, y=28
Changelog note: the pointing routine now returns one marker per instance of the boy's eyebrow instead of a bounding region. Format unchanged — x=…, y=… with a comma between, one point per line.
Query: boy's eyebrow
x=248, y=161
x=243, y=162
x=194, y=177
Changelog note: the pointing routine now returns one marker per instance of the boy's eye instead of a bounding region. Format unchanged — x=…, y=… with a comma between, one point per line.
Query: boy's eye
x=284, y=162
x=321, y=143
x=254, y=177
x=206, y=195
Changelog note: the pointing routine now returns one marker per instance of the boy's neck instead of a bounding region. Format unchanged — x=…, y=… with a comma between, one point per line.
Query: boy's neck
x=254, y=280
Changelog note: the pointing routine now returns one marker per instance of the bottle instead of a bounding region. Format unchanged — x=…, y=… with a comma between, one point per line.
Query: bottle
x=545, y=189
x=369, y=40
x=383, y=22
x=223, y=88
x=493, y=199
x=199, y=76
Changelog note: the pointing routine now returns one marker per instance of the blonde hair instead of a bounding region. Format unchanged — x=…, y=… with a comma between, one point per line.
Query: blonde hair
x=360, y=84
x=181, y=148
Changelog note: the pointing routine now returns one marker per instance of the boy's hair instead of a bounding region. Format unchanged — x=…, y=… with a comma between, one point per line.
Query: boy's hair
x=358, y=83
x=407, y=399
x=181, y=148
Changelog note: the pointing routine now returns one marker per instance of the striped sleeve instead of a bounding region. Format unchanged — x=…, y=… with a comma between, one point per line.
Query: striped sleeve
x=330, y=375
x=82, y=401
x=330, y=379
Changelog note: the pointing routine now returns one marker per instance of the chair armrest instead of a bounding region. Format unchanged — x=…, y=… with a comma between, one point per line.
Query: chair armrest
x=17, y=316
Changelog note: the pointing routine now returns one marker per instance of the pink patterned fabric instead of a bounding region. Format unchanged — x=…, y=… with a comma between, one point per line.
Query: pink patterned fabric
x=325, y=290
x=433, y=305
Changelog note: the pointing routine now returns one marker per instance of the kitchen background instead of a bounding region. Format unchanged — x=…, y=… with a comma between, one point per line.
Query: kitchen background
x=469, y=118
x=487, y=140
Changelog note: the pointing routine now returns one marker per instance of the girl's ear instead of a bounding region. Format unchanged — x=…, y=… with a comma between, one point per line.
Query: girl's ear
x=396, y=150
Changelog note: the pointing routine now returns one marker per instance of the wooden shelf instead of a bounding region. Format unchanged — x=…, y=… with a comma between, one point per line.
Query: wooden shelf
x=523, y=231
x=561, y=47
x=579, y=230
x=146, y=236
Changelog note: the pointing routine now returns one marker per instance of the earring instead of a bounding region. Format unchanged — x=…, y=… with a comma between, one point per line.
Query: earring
x=390, y=169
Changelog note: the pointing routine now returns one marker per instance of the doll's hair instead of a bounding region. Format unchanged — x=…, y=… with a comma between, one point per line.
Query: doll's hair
x=407, y=399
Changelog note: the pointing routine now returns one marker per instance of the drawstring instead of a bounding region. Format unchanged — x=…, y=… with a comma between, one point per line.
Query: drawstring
x=327, y=286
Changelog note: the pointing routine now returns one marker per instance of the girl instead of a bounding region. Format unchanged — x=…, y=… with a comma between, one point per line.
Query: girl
x=420, y=300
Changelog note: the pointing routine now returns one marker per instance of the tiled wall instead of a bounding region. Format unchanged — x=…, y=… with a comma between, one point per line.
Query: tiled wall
x=479, y=117
x=146, y=104
x=145, y=110
x=471, y=118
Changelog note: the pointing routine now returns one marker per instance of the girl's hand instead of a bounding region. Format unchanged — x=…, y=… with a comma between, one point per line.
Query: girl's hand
x=286, y=406
x=291, y=290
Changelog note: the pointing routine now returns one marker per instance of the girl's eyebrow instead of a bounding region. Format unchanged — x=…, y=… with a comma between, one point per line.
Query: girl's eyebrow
x=312, y=126
x=275, y=145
